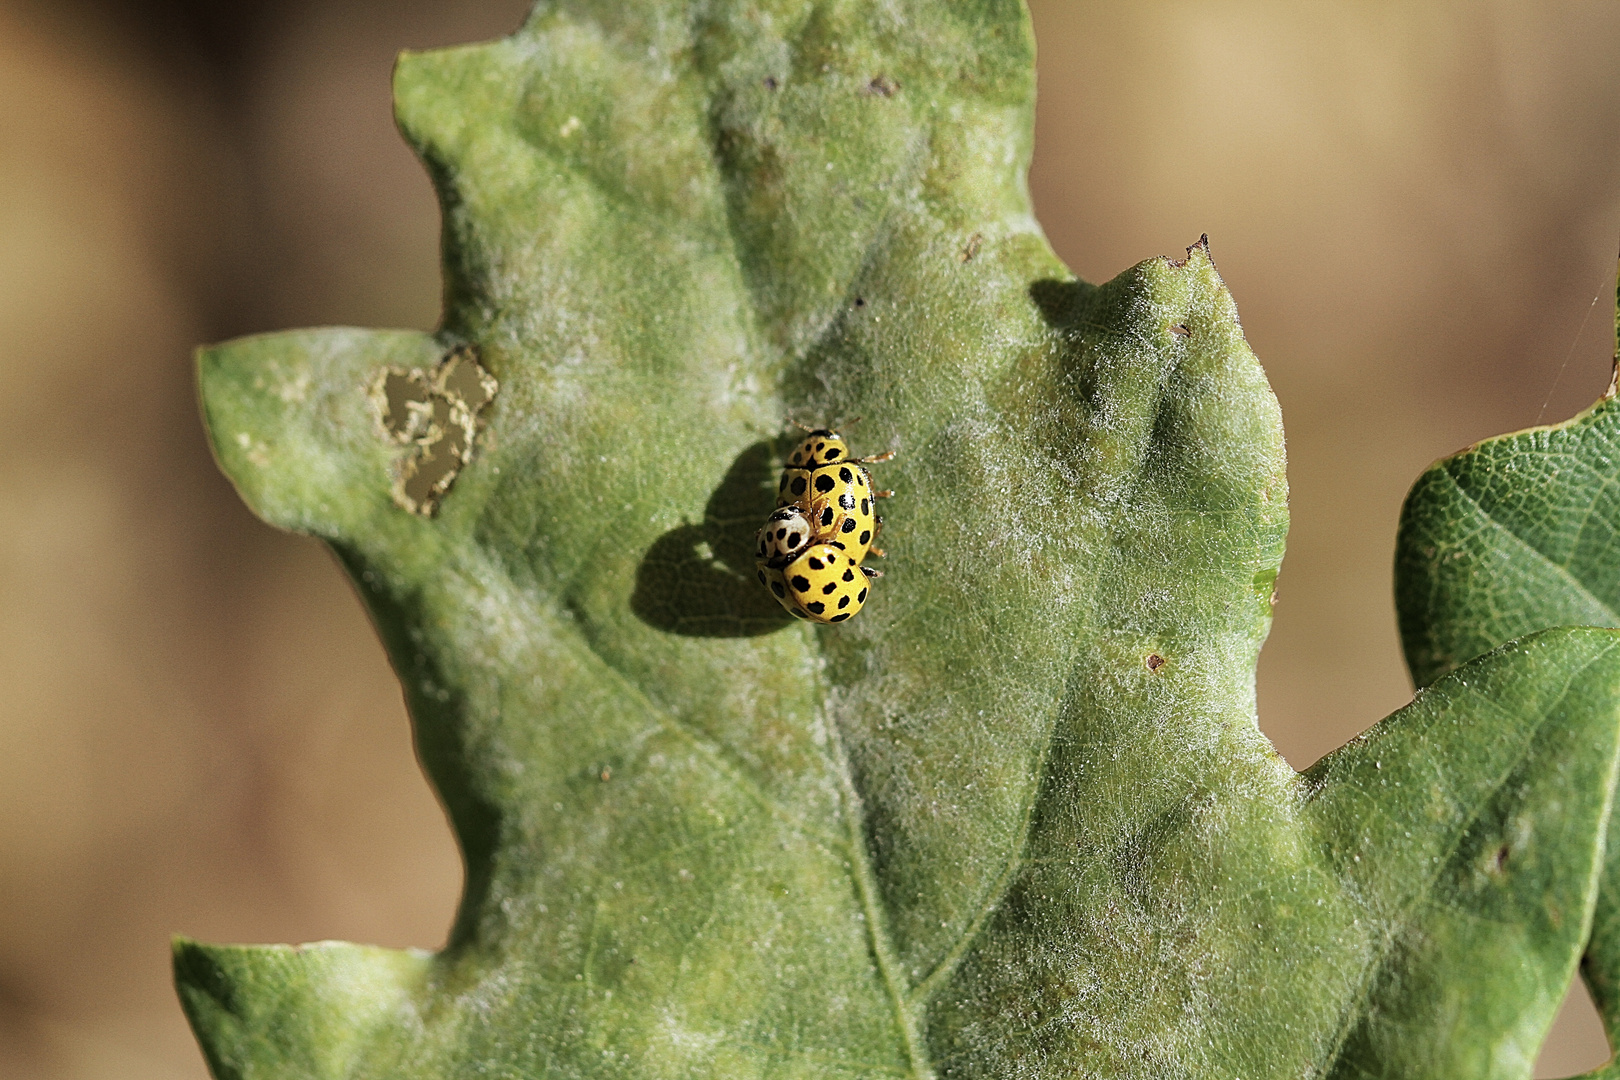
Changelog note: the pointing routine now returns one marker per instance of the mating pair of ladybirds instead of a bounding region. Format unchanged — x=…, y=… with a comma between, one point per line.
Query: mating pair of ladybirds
x=810, y=551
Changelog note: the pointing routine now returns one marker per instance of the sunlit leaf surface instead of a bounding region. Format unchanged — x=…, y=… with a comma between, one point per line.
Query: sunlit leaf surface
x=1014, y=820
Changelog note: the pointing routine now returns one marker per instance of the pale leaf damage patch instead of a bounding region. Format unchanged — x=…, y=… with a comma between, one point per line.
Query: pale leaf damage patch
x=435, y=413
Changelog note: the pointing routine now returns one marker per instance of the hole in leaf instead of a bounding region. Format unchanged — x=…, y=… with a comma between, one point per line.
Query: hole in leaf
x=406, y=406
x=1575, y=1044
x=435, y=413
x=462, y=379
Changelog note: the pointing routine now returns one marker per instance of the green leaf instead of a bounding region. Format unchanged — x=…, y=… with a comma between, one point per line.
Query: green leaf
x=1471, y=824
x=311, y=1010
x=1508, y=537
x=1017, y=818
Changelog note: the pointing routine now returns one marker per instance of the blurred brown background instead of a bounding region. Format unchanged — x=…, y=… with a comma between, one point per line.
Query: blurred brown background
x=1414, y=205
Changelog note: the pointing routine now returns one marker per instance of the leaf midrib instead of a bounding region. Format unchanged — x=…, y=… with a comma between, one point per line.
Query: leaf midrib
x=853, y=845
x=877, y=923
x=907, y=1002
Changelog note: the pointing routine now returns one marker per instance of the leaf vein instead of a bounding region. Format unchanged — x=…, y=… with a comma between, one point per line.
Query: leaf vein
x=1574, y=582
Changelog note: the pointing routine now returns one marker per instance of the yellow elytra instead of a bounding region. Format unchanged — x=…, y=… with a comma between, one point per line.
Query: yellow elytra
x=822, y=584
x=834, y=492
x=819, y=446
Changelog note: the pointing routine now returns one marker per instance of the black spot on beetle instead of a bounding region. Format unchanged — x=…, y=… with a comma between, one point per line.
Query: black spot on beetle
x=783, y=484
x=797, y=614
x=776, y=587
x=795, y=540
x=861, y=596
x=839, y=618
x=819, y=445
x=843, y=602
x=798, y=485
x=815, y=564
x=762, y=577
x=826, y=590
x=826, y=515
x=866, y=507
x=845, y=475
x=866, y=535
x=824, y=483
x=849, y=575
x=849, y=525
x=816, y=608
x=801, y=583
x=847, y=501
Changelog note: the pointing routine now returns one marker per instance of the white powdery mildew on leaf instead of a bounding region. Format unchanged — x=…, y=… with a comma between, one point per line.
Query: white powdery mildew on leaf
x=1016, y=818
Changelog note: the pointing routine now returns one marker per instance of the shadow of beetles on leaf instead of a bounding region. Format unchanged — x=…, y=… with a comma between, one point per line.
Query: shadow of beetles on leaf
x=699, y=580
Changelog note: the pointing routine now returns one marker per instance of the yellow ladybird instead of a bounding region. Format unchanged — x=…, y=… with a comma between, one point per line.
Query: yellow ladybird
x=834, y=492
x=822, y=584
